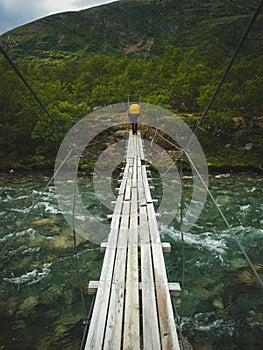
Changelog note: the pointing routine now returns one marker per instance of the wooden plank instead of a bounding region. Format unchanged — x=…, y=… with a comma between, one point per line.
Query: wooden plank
x=142, y=198
x=134, y=175
x=146, y=185
x=131, y=320
x=124, y=179
x=154, y=231
x=95, y=337
x=113, y=333
x=130, y=157
x=127, y=196
x=133, y=238
x=141, y=151
x=166, y=247
x=139, y=163
x=129, y=147
x=97, y=326
x=168, y=332
x=174, y=288
x=151, y=336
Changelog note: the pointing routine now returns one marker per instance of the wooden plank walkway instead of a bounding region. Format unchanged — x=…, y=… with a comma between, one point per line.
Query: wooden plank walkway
x=133, y=308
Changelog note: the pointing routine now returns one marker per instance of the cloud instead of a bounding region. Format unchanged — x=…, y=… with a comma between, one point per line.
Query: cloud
x=14, y=13
x=17, y=12
x=90, y=3
x=21, y=9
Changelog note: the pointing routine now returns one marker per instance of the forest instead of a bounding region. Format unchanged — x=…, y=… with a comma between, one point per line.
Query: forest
x=171, y=53
x=179, y=80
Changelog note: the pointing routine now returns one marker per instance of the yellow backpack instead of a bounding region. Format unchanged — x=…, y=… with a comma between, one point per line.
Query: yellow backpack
x=135, y=108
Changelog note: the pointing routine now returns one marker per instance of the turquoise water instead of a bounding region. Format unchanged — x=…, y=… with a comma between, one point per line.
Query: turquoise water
x=40, y=304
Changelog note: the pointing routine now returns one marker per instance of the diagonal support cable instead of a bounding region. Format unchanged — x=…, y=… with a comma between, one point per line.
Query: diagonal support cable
x=59, y=128
x=228, y=225
x=220, y=83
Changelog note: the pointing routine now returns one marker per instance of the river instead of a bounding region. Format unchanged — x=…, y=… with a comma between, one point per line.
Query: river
x=40, y=304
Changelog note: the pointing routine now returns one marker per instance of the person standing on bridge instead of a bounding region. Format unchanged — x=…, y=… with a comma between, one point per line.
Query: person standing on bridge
x=133, y=114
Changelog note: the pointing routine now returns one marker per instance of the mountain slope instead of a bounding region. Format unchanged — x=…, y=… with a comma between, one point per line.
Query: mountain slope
x=140, y=27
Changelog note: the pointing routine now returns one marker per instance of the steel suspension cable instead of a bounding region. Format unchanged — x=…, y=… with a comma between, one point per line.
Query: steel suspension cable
x=86, y=323
x=62, y=132
x=179, y=326
x=221, y=81
x=184, y=151
x=178, y=319
x=182, y=242
x=75, y=245
x=228, y=225
x=59, y=128
x=179, y=316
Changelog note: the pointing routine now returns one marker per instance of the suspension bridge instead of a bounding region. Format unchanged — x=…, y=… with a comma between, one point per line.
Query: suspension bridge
x=133, y=307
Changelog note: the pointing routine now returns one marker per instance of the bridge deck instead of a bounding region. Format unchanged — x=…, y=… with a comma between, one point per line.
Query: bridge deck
x=133, y=308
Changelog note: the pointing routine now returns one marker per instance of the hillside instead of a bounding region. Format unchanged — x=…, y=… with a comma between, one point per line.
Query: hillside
x=138, y=27
x=171, y=52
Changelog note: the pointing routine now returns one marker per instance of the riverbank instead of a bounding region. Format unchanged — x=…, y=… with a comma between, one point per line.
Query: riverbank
x=212, y=169
x=233, y=153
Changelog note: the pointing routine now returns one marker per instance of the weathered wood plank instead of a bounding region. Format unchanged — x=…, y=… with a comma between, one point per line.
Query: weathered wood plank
x=129, y=148
x=154, y=230
x=165, y=310
x=135, y=164
x=151, y=337
x=166, y=247
x=113, y=333
x=131, y=320
x=146, y=185
x=142, y=197
x=174, y=287
x=127, y=196
x=133, y=237
x=95, y=338
x=140, y=151
x=124, y=180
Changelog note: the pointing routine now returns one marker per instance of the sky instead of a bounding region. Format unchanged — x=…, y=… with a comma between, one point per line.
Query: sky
x=14, y=13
